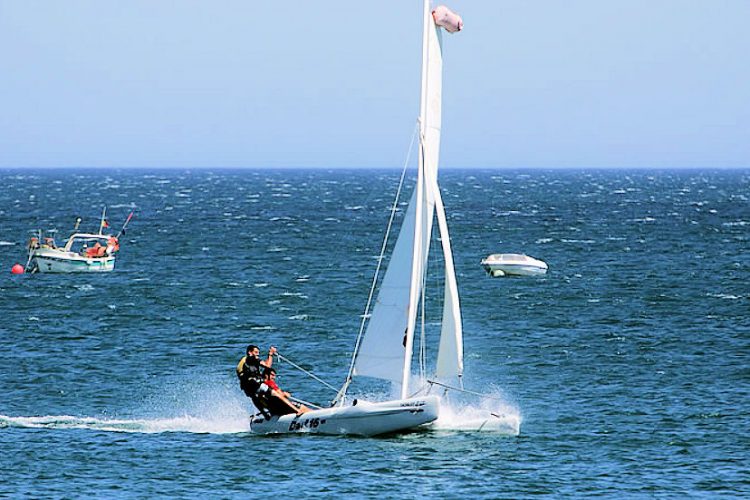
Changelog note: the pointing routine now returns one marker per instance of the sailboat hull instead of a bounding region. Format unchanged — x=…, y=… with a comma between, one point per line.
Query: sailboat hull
x=362, y=418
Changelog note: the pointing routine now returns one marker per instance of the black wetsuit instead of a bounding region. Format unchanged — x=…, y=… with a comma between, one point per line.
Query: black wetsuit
x=249, y=373
x=251, y=382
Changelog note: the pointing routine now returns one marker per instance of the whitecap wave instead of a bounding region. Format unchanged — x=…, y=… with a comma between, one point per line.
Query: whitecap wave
x=727, y=296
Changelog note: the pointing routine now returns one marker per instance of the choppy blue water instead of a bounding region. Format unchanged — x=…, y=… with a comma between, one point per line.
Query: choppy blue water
x=628, y=362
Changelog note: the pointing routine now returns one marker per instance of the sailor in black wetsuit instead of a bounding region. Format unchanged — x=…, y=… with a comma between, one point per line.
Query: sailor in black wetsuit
x=250, y=372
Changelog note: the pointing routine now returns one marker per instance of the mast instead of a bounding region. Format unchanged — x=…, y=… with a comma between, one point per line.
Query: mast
x=418, y=250
x=104, y=217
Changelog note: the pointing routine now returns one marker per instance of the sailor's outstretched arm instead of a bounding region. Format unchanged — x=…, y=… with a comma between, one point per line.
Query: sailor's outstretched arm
x=269, y=360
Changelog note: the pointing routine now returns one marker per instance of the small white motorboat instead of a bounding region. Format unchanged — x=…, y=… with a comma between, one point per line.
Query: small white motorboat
x=82, y=252
x=513, y=264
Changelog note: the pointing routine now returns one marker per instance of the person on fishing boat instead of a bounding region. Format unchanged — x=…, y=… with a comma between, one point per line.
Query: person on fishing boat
x=94, y=250
x=279, y=402
x=113, y=245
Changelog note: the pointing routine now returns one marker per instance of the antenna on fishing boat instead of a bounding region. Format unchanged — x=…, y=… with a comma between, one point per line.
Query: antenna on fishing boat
x=78, y=223
x=127, y=221
x=104, y=220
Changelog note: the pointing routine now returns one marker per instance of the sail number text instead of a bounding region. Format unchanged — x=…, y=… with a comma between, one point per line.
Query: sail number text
x=312, y=423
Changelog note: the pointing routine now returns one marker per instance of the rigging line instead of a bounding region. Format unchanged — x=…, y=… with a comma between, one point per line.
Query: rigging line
x=306, y=403
x=434, y=259
x=422, y=335
x=436, y=277
x=284, y=358
x=433, y=382
x=342, y=391
x=422, y=292
x=28, y=261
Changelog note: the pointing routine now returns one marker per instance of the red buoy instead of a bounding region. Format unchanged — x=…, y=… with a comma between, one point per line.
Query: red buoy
x=17, y=269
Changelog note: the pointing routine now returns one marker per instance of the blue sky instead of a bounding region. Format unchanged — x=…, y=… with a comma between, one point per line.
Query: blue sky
x=567, y=83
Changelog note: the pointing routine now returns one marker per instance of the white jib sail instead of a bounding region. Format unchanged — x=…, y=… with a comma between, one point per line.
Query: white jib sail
x=450, y=360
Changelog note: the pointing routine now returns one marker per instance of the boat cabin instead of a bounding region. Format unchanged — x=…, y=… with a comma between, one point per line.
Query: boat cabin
x=91, y=245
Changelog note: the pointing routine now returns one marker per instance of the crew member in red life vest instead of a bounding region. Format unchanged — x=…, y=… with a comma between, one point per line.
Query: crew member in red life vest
x=93, y=251
x=279, y=403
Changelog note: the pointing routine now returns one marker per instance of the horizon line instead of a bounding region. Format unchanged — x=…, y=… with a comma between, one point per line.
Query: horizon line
x=292, y=167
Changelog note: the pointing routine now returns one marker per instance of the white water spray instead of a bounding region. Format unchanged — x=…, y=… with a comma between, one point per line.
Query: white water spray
x=463, y=411
x=202, y=406
x=486, y=415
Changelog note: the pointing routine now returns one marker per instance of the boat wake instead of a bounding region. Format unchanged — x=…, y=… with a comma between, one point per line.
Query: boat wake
x=201, y=407
x=186, y=423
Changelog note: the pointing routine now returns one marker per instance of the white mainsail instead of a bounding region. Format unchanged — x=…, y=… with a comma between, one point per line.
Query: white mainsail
x=381, y=352
x=385, y=351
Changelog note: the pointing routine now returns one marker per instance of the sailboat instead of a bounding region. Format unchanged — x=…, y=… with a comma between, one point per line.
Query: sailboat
x=386, y=348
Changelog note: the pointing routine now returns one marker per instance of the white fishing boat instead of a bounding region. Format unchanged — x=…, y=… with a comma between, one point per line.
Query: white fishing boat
x=385, y=346
x=81, y=253
x=513, y=264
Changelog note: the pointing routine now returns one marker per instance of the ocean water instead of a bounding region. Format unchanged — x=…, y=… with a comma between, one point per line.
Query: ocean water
x=624, y=372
